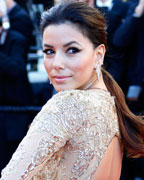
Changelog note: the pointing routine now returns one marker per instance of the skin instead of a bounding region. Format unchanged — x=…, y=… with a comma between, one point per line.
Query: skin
x=110, y=166
x=70, y=58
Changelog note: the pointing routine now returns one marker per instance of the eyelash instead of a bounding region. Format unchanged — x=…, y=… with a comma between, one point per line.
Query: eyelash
x=74, y=51
x=45, y=51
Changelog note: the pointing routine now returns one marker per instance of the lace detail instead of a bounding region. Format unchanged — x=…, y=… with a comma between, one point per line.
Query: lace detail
x=67, y=139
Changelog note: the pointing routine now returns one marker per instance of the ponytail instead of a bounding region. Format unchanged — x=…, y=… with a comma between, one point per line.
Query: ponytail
x=91, y=21
x=131, y=126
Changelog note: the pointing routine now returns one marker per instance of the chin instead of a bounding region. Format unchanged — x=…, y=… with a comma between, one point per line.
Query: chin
x=58, y=89
x=64, y=88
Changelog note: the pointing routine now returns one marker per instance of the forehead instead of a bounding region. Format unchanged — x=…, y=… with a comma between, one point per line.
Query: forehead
x=65, y=29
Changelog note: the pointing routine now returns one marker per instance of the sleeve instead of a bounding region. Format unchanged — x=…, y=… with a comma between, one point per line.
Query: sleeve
x=50, y=131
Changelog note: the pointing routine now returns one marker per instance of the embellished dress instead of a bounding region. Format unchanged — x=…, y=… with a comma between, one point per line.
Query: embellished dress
x=67, y=139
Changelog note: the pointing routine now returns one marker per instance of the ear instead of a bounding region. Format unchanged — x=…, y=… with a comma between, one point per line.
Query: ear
x=99, y=54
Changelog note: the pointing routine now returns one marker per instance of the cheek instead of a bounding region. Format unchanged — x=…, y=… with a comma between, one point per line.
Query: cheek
x=47, y=65
x=82, y=67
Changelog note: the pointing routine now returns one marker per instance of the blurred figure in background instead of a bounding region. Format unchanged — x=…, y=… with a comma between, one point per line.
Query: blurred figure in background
x=133, y=31
x=115, y=12
x=19, y=19
x=131, y=37
x=15, y=89
x=124, y=59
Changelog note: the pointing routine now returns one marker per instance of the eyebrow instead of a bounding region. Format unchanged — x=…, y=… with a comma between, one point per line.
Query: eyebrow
x=71, y=42
x=65, y=45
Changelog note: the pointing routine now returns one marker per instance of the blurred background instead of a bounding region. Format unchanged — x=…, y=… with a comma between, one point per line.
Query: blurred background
x=24, y=84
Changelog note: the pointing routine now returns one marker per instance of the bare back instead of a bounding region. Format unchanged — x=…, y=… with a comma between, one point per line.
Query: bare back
x=110, y=166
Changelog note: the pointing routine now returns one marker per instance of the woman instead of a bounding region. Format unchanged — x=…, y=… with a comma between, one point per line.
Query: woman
x=80, y=132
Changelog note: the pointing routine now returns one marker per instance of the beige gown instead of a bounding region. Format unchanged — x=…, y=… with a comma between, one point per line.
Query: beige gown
x=67, y=139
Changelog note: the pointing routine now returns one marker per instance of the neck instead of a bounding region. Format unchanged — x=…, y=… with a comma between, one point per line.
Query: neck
x=94, y=83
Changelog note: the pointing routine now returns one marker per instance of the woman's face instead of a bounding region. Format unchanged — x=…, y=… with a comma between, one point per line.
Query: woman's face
x=69, y=56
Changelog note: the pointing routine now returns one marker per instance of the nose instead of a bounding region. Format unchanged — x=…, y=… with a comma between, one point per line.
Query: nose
x=58, y=62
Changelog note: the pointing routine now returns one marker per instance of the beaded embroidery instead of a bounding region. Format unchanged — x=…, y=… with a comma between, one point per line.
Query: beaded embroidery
x=67, y=139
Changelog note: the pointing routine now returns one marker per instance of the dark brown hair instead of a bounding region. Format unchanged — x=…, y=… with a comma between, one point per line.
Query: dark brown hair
x=92, y=24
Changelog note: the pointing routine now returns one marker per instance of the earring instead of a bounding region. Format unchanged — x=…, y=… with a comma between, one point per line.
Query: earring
x=98, y=71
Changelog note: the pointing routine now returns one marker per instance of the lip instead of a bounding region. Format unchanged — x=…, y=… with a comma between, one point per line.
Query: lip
x=60, y=79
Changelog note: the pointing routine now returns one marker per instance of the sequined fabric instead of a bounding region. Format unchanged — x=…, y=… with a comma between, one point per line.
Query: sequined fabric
x=67, y=139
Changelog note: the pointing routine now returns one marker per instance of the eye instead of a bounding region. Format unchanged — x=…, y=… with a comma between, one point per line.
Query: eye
x=73, y=50
x=48, y=51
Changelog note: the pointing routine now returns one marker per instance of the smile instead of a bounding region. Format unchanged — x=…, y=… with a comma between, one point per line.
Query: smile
x=61, y=79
